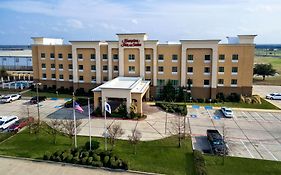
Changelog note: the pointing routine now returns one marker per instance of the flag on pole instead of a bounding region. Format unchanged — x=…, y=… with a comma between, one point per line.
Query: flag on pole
x=107, y=107
x=78, y=107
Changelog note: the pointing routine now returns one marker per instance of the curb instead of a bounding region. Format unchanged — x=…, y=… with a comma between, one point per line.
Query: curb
x=75, y=165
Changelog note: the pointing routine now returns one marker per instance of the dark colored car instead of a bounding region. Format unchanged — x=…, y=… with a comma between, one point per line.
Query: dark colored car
x=217, y=143
x=18, y=125
x=33, y=100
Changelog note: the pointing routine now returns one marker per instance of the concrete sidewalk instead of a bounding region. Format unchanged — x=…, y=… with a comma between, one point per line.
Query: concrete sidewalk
x=12, y=166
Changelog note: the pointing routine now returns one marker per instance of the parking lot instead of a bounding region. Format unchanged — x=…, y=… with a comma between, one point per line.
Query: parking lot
x=248, y=134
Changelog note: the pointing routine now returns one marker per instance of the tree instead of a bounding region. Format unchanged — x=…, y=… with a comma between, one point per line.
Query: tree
x=169, y=92
x=135, y=138
x=114, y=131
x=264, y=70
x=3, y=73
x=55, y=128
x=69, y=129
x=177, y=128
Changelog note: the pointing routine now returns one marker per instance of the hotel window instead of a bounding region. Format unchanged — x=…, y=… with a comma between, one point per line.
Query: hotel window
x=93, y=78
x=207, y=57
x=189, y=69
x=60, y=55
x=61, y=77
x=93, y=56
x=93, y=67
x=147, y=57
x=44, y=75
x=175, y=57
x=81, y=78
x=160, y=82
x=80, y=56
x=220, y=81
x=70, y=77
x=190, y=57
x=147, y=68
x=189, y=82
x=206, y=69
x=234, y=70
x=115, y=68
x=81, y=67
x=44, y=65
x=69, y=56
x=60, y=66
x=161, y=57
x=131, y=68
x=53, y=66
x=115, y=57
x=206, y=82
x=105, y=78
x=233, y=81
x=43, y=55
x=104, y=56
x=221, y=57
x=175, y=82
x=221, y=69
x=131, y=57
x=235, y=57
x=53, y=75
x=104, y=68
x=52, y=55
x=70, y=66
x=174, y=69
x=160, y=69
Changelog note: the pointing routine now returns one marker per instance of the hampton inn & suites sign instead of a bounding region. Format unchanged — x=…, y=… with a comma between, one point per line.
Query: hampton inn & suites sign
x=130, y=43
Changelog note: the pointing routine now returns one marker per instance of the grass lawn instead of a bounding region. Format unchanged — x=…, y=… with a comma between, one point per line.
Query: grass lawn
x=265, y=105
x=276, y=80
x=161, y=156
x=241, y=166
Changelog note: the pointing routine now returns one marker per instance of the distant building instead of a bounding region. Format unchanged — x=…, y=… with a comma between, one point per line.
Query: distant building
x=207, y=67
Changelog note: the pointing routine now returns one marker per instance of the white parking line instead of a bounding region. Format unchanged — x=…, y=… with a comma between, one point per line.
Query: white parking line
x=259, y=116
x=268, y=151
x=247, y=149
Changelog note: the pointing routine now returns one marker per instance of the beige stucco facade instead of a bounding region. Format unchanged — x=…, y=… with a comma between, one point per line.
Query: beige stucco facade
x=134, y=55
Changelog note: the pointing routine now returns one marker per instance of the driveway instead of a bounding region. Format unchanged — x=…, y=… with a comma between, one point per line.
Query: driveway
x=23, y=167
x=263, y=90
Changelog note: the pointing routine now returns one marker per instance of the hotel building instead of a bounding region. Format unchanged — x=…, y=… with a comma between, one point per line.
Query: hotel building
x=207, y=66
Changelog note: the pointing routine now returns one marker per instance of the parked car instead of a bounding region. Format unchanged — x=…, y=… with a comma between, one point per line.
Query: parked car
x=274, y=96
x=6, y=121
x=33, y=100
x=20, y=124
x=217, y=143
x=10, y=98
x=227, y=112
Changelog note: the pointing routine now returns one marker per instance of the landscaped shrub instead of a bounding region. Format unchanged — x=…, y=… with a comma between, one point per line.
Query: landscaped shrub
x=94, y=144
x=75, y=160
x=96, y=157
x=173, y=108
x=47, y=156
x=200, y=100
x=106, y=160
x=233, y=97
x=90, y=160
x=69, y=158
x=64, y=156
x=84, y=154
x=97, y=163
x=84, y=161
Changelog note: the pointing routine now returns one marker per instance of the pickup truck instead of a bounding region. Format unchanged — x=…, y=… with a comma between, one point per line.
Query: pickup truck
x=217, y=143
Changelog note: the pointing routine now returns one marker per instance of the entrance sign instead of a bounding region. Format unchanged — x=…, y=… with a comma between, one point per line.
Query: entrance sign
x=130, y=43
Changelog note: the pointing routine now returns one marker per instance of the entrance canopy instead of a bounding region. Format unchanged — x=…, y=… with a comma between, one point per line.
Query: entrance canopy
x=129, y=88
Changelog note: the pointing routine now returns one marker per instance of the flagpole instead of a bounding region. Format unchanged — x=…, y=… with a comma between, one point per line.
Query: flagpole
x=74, y=118
x=90, y=127
x=105, y=129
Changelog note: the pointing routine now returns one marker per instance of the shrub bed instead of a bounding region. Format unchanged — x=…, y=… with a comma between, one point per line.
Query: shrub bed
x=84, y=156
x=173, y=108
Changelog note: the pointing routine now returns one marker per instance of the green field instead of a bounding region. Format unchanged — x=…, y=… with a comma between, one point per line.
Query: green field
x=161, y=156
x=276, y=62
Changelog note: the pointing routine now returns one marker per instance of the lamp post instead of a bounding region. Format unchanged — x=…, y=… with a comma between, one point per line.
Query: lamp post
x=37, y=99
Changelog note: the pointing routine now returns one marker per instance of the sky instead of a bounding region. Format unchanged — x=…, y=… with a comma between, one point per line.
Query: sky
x=164, y=20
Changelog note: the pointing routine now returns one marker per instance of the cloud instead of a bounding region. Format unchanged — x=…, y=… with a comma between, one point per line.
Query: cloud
x=134, y=21
x=74, y=23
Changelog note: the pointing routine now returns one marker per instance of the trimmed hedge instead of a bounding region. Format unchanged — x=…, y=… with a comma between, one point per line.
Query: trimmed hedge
x=97, y=158
x=173, y=108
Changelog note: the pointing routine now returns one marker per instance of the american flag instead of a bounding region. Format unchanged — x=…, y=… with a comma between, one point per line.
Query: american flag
x=78, y=107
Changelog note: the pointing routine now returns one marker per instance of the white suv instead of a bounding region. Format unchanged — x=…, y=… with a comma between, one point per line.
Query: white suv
x=10, y=98
x=5, y=121
x=227, y=112
x=274, y=96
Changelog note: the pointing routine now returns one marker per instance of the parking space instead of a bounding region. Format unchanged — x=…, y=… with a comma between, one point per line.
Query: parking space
x=248, y=134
